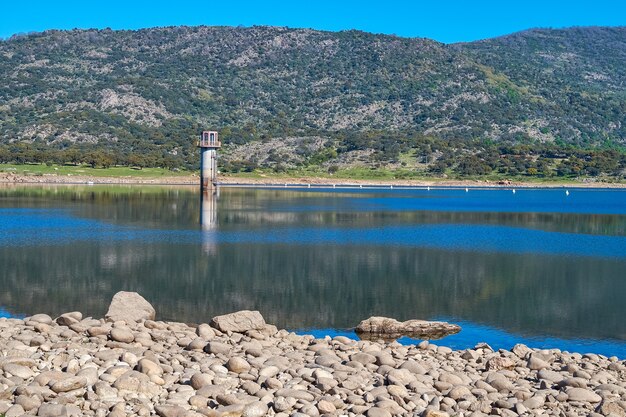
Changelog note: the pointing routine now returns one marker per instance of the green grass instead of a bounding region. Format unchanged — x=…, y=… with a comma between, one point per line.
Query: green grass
x=84, y=170
x=382, y=174
x=355, y=173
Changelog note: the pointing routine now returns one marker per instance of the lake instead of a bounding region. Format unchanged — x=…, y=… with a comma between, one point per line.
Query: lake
x=536, y=266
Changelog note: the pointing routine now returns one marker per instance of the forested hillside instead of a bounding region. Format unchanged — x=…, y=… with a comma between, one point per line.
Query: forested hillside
x=539, y=102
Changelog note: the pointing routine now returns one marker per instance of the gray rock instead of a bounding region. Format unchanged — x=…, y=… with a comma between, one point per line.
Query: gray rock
x=52, y=410
x=255, y=409
x=378, y=412
x=18, y=370
x=41, y=318
x=392, y=328
x=148, y=367
x=200, y=380
x=239, y=322
x=14, y=411
x=170, y=411
x=536, y=363
x=137, y=382
x=69, y=384
x=129, y=307
x=238, y=365
x=608, y=407
x=122, y=335
x=549, y=375
x=581, y=394
x=28, y=402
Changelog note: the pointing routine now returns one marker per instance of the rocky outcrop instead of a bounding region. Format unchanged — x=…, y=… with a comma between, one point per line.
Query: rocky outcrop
x=129, y=307
x=86, y=367
x=387, y=328
x=239, y=322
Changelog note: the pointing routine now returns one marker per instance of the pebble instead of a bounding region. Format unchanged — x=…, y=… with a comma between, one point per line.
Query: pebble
x=581, y=394
x=122, y=335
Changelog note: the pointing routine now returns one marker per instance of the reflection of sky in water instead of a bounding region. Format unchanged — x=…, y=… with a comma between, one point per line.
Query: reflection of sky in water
x=498, y=339
x=22, y=227
x=584, y=201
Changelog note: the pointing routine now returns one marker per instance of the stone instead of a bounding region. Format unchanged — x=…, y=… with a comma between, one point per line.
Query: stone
x=608, y=407
x=28, y=402
x=364, y=358
x=391, y=328
x=122, y=335
x=129, y=307
x=136, y=382
x=521, y=351
x=498, y=363
x=284, y=404
x=41, y=318
x=217, y=348
x=535, y=363
x=549, y=375
x=534, y=402
x=239, y=322
x=429, y=412
x=14, y=411
x=378, y=412
x=169, y=411
x=326, y=407
x=200, y=380
x=581, y=394
x=459, y=392
x=148, y=367
x=205, y=331
x=18, y=370
x=52, y=410
x=69, y=384
x=255, y=409
x=237, y=365
x=67, y=319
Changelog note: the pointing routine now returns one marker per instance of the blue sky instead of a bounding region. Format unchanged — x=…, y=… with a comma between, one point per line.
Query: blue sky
x=445, y=21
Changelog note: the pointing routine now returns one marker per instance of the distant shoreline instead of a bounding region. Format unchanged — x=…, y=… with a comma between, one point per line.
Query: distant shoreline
x=189, y=180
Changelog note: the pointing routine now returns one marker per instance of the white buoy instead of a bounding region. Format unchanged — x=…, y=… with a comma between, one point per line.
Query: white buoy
x=309, y=186
x=285, y=185
x=391, y=186
x=513, y=190
x=466, y=189
x=334, y=185
x=566, y=192
x=428, y=188
x=360, y=186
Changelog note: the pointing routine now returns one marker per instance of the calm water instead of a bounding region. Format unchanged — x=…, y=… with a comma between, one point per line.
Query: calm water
x=536, y=266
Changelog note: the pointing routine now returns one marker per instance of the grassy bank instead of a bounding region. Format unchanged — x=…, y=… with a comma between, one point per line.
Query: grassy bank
x=82, y=173
x=87, y=171
x=402, y=175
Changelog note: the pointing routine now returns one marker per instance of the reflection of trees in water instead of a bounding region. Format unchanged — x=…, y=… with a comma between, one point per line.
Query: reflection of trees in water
x=163, y=208
x=325, y=286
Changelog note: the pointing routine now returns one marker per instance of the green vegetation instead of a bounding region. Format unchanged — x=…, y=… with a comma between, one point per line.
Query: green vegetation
x=85, y=170
x=535, y=104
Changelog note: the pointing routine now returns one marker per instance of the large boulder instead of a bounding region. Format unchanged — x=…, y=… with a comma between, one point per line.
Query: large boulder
x=387, y=328
x=130, y=307
x=239, y=322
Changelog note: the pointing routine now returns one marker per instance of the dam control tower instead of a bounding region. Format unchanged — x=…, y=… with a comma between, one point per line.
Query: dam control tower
x=209, y=143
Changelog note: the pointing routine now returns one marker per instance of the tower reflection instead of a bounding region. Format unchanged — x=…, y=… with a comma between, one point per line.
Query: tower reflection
x=208, y=219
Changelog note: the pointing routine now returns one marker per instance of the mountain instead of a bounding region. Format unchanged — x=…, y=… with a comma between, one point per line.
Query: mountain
x=151, y=91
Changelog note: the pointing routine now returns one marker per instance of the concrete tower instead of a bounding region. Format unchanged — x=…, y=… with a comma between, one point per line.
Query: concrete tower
x=209, y=144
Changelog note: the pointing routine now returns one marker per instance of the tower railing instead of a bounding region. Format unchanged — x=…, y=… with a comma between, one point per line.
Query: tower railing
x=209, y=140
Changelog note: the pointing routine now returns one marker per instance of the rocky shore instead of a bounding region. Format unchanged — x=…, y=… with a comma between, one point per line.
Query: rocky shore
x=267, y=181
x=237, y=365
